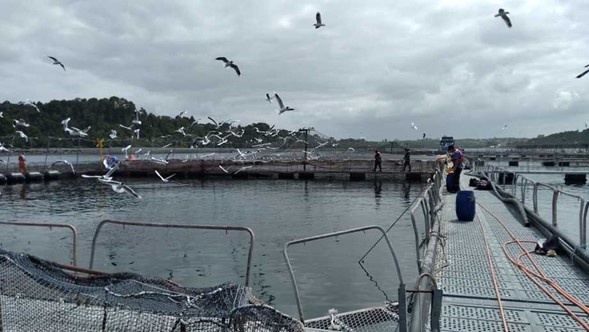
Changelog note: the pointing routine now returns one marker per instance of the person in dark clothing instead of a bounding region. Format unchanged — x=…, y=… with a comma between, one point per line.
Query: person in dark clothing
x=407, y=160
x=377, y=161
x=457, y=158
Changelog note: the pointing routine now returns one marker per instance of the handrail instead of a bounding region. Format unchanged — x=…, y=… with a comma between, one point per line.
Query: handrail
x=50, y=225
x=328, y=235
x=181, y=226
x=556, y=192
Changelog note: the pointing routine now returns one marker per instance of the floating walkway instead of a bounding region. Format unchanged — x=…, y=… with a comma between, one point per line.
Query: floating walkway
x=490, y=283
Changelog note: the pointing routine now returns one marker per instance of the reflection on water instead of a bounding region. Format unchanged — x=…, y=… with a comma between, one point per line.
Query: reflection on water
x=277, y=211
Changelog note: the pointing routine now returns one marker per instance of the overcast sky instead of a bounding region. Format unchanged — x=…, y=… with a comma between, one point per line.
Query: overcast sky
x=449, y=66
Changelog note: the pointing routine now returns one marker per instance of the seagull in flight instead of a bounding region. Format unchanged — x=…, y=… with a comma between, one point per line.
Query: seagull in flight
x=136, y=120
x=503, y=15
x=166, y=179
x=583, y=73
x=21, y=134
x=125, y=127
x=119, y=187
x=229, y=64
x=319, y=24
x=182, y=113
x=414, y=126
x=125, y=150
x=73, y=131
x=268, y=98
x=57, y=62
x=113, y=134
x=504, y=127
x=30, y=103
x=281, y=105
x=66, y=163
x=20, y=122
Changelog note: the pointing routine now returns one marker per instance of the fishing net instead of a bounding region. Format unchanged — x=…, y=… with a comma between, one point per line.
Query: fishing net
x=37, y=295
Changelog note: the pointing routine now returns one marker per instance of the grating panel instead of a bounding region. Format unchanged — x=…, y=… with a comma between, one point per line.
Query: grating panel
x=451, y=324
x=559, y=320
x=365, y=320
x=474, y=291
x=461, y=311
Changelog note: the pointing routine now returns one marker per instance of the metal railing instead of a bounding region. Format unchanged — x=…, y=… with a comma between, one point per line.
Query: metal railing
x=429, y=203
x=329, y=235
x=50, y=226
x=522, y=182
x=180, y=226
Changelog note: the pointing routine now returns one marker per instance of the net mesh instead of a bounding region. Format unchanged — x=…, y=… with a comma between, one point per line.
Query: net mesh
x=36, y=295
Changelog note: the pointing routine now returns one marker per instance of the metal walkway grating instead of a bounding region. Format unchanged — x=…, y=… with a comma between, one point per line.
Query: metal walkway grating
x=470, y=302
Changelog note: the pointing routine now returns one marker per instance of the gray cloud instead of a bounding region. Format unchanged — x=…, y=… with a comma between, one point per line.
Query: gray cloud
x=449, y=66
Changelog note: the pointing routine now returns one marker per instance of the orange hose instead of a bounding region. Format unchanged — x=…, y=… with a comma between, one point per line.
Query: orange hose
x=494, y=277
x=530, y=274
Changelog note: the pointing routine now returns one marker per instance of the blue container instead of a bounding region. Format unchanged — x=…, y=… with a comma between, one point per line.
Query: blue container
x=450, y=182
x=465, y=205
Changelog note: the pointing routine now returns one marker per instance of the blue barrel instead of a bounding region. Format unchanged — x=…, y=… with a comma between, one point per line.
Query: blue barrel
x=465, y=205
x=450, y=182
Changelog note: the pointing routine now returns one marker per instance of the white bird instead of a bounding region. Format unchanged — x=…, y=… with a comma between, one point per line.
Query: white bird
x=166, y=179
x=318, y=19
x=21, y=134
x=167, y=145
x=113, y=134
x=281, y=105
x=414, y=126
x=136, y=120
x=182, y=113
x=119, y=187
x=57, y=62
x=21, y=123
x=333, y=326
x=159, y=161
x=503, y=15
x=504, y=127
x=125, y=127
x=73, y=131
x=229, y=64
x=195, y=122
x=181, y=131
x=243, y=168
x=1, y=116
x=66, y=163
x=30, y=103
x=136, y=131
x=268, y=98
x=224, y=170
x=3, y=149
x=125, y=149
x=65, y=122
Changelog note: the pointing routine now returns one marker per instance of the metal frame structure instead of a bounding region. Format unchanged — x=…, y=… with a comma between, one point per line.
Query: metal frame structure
x=180, y=226
x=402, y=319
x=51, y=225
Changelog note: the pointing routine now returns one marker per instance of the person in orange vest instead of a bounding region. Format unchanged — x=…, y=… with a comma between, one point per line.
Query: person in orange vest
x=22, y=165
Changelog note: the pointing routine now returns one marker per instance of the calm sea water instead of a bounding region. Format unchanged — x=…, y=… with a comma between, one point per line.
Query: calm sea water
x=276, y=210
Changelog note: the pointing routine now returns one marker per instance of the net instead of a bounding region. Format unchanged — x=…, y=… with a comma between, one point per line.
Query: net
x=37, y=295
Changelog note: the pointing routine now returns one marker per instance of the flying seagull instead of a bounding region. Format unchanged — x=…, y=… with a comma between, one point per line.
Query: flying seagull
x=583, y=73
x=318, y=19
x=503, y=15
x=119, y=187
x=504, y=127
x=66, y=163
x=21, y=134
x=20, y=122
x=229, y=64
x=268, y=98
x=57, y=62
x=113, y=134
x=414, y=126
x=166, y=179
x=281, y=105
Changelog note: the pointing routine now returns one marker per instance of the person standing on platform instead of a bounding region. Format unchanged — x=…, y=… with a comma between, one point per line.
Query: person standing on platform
x=377, y=161
x=407, y=160
x=22, y=165
x=457, y=158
